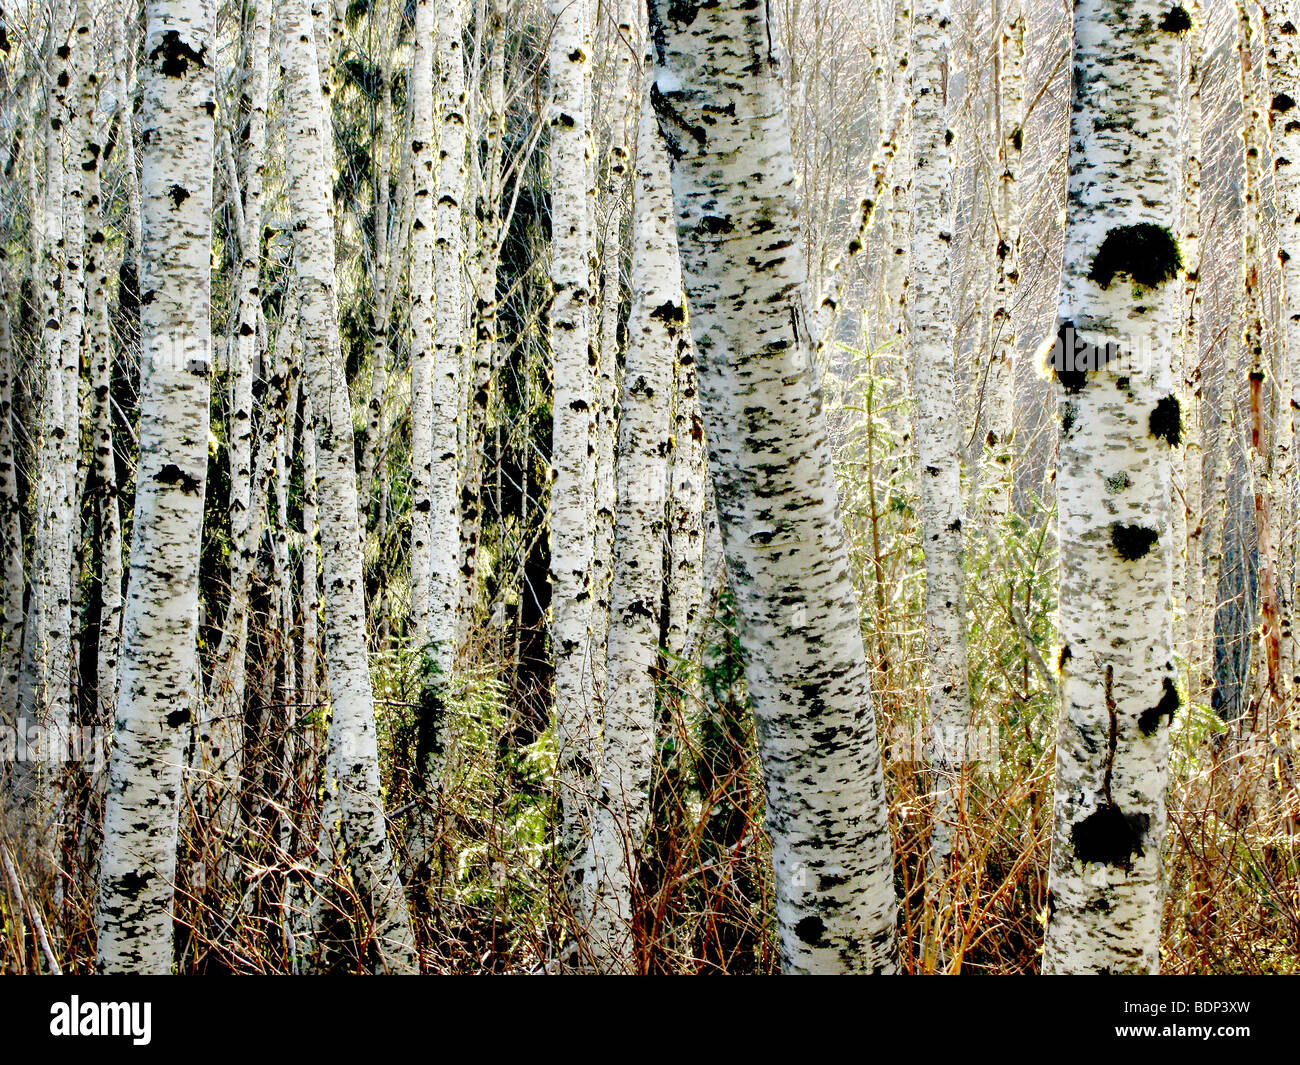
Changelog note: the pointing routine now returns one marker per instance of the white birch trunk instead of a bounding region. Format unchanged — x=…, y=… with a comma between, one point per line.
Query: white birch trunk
x=99, y=358
x=159, y=659
x=573, y=434
x=1121, y=420
x=1284, y=122
x=1196, y=517
x=422, y=327
x=487, y=263
x=353, y=747
x=718, y=97
x=221, y=735
x=656, y=332
x=11, y=518
x=999, y=387
x=448, y=341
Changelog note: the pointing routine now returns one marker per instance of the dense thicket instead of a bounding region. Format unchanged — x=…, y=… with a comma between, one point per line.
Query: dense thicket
x=493, y=485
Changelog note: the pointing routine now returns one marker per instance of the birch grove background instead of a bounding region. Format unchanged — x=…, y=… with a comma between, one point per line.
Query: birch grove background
x=586, y=485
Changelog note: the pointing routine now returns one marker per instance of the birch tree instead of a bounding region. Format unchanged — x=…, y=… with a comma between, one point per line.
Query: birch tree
x=999, y=387
x=99, y=357
x=718, y=98
x=573, y=433
x=159, y=658
x=1284, y=125
x=938, y=424
x=656, y=328
x=222, y=732
x=353, y=747
x=1120, y=419
x=11, y=517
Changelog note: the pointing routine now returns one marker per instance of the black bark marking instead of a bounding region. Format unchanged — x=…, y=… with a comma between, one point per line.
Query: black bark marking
x=811, y=930
x=1169, y=702
x=173, y=56
x=1146, y=252
x=670, y=313
x=1176, y=20
x=1166, y=421
x=712, y=223
x=174, y=475
x=1072, y=358
x=1108, y=836
x=179, y=194
x=1132, y=541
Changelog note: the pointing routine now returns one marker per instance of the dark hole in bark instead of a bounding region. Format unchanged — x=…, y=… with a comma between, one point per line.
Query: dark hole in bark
x=810, y=930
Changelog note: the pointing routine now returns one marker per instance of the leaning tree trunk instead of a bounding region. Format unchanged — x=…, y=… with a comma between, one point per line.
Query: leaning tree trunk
x=159, y=661
x=353, y=754
x=1120, y=421
x=718, y=97
x=930, y=328
x=573, y=434
x=655, y=334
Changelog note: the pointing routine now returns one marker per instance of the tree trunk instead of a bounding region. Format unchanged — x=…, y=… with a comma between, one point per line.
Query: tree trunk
x=718, y=97
x=159, y=660
x=1120, y=421
x=422, y=329
x=930, y=329
x=573, y=435
x=655, y=336
x=353, y=748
